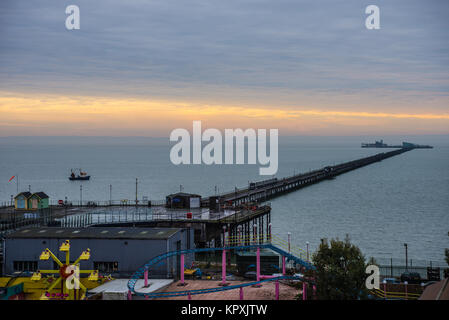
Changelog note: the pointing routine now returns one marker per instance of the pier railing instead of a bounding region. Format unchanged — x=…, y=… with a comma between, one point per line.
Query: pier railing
x=107, y=203
x=261, y=238
x=394, y=267
x=6, y=204
x=38, y=218
x=142, y=214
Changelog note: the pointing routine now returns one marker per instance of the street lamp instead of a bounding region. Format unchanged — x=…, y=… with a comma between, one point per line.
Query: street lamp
x=406, y=256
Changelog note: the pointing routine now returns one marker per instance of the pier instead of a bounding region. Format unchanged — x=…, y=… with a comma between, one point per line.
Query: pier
x=264, y=190
x=209, y=227
x=244, y=211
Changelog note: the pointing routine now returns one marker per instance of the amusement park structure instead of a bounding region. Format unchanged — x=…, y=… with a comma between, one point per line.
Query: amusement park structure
x=236, y=243
x=71, y=286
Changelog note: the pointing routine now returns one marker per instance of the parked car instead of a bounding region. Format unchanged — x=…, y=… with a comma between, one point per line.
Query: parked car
x=392, y=280
x=411, y=277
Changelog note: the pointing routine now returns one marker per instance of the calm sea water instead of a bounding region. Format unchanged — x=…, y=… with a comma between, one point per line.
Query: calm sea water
x=404, y=199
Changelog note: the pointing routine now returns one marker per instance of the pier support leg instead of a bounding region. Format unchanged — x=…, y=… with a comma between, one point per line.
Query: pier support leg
x=254, y=233
x=239, y=234
x=277, y=289
x=269, y=233
x=241, y=293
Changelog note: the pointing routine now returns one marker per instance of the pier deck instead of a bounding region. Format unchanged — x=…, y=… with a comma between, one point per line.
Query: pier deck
x=272, y=189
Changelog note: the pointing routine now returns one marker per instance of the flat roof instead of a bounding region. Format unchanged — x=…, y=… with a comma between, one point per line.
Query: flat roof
x=121, y=286
x=95, y=233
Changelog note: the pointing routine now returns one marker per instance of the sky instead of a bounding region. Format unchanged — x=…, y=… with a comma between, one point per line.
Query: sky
x=144, y=68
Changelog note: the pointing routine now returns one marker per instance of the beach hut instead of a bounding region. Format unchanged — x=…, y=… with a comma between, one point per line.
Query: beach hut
x=21, y=200
x=38, y=200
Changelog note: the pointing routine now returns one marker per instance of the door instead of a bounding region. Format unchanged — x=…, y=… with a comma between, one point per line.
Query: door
x=34, y=203
x=21, y=203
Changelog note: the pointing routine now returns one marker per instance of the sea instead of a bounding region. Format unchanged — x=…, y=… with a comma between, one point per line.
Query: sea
x=380, y=207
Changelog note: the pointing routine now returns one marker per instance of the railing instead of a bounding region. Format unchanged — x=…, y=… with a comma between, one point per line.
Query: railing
x=107, y=203
x=394, y=295
x=106, y=217
x=33, y=219
x=241, y=240
x=139, y=214
x=6, y=204
x=394, y=267
x=297, y=251
x=274, y=239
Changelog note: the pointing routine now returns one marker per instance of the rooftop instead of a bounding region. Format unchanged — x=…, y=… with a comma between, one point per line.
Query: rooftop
x=26, y=194
x=95, y=233
x=121, y=286
x=184, y=194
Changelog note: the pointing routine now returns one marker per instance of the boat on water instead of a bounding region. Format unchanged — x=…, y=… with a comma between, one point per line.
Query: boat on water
x=80, y=175
x=405, y=145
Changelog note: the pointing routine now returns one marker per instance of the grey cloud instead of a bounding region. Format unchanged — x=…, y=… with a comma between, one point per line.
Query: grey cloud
x=260, y=45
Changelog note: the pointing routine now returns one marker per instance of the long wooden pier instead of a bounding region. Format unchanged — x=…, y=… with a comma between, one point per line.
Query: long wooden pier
x=247, y=218
x=268, y=189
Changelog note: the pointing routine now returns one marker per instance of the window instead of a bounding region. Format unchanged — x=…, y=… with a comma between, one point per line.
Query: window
x=106, y=266
x=25, y=266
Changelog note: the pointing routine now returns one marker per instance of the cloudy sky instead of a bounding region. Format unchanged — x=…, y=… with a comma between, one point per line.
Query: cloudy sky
x=144, y=67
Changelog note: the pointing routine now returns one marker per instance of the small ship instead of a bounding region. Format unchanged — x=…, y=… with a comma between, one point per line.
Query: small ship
x=406, y=145
x=80, y=176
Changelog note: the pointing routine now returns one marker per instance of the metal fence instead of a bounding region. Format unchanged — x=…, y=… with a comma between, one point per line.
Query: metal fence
x=6, y=204
x=107, y=203
x=42, y=217
x=393, y=267
x=140, y=214
x=95, y=203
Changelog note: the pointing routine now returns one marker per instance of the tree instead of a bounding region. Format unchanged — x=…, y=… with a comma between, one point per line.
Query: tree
x=340, y=273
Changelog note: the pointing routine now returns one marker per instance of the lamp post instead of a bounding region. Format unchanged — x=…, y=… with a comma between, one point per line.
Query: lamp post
x=136, y=192
x=234, y=200
x=406, y=256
